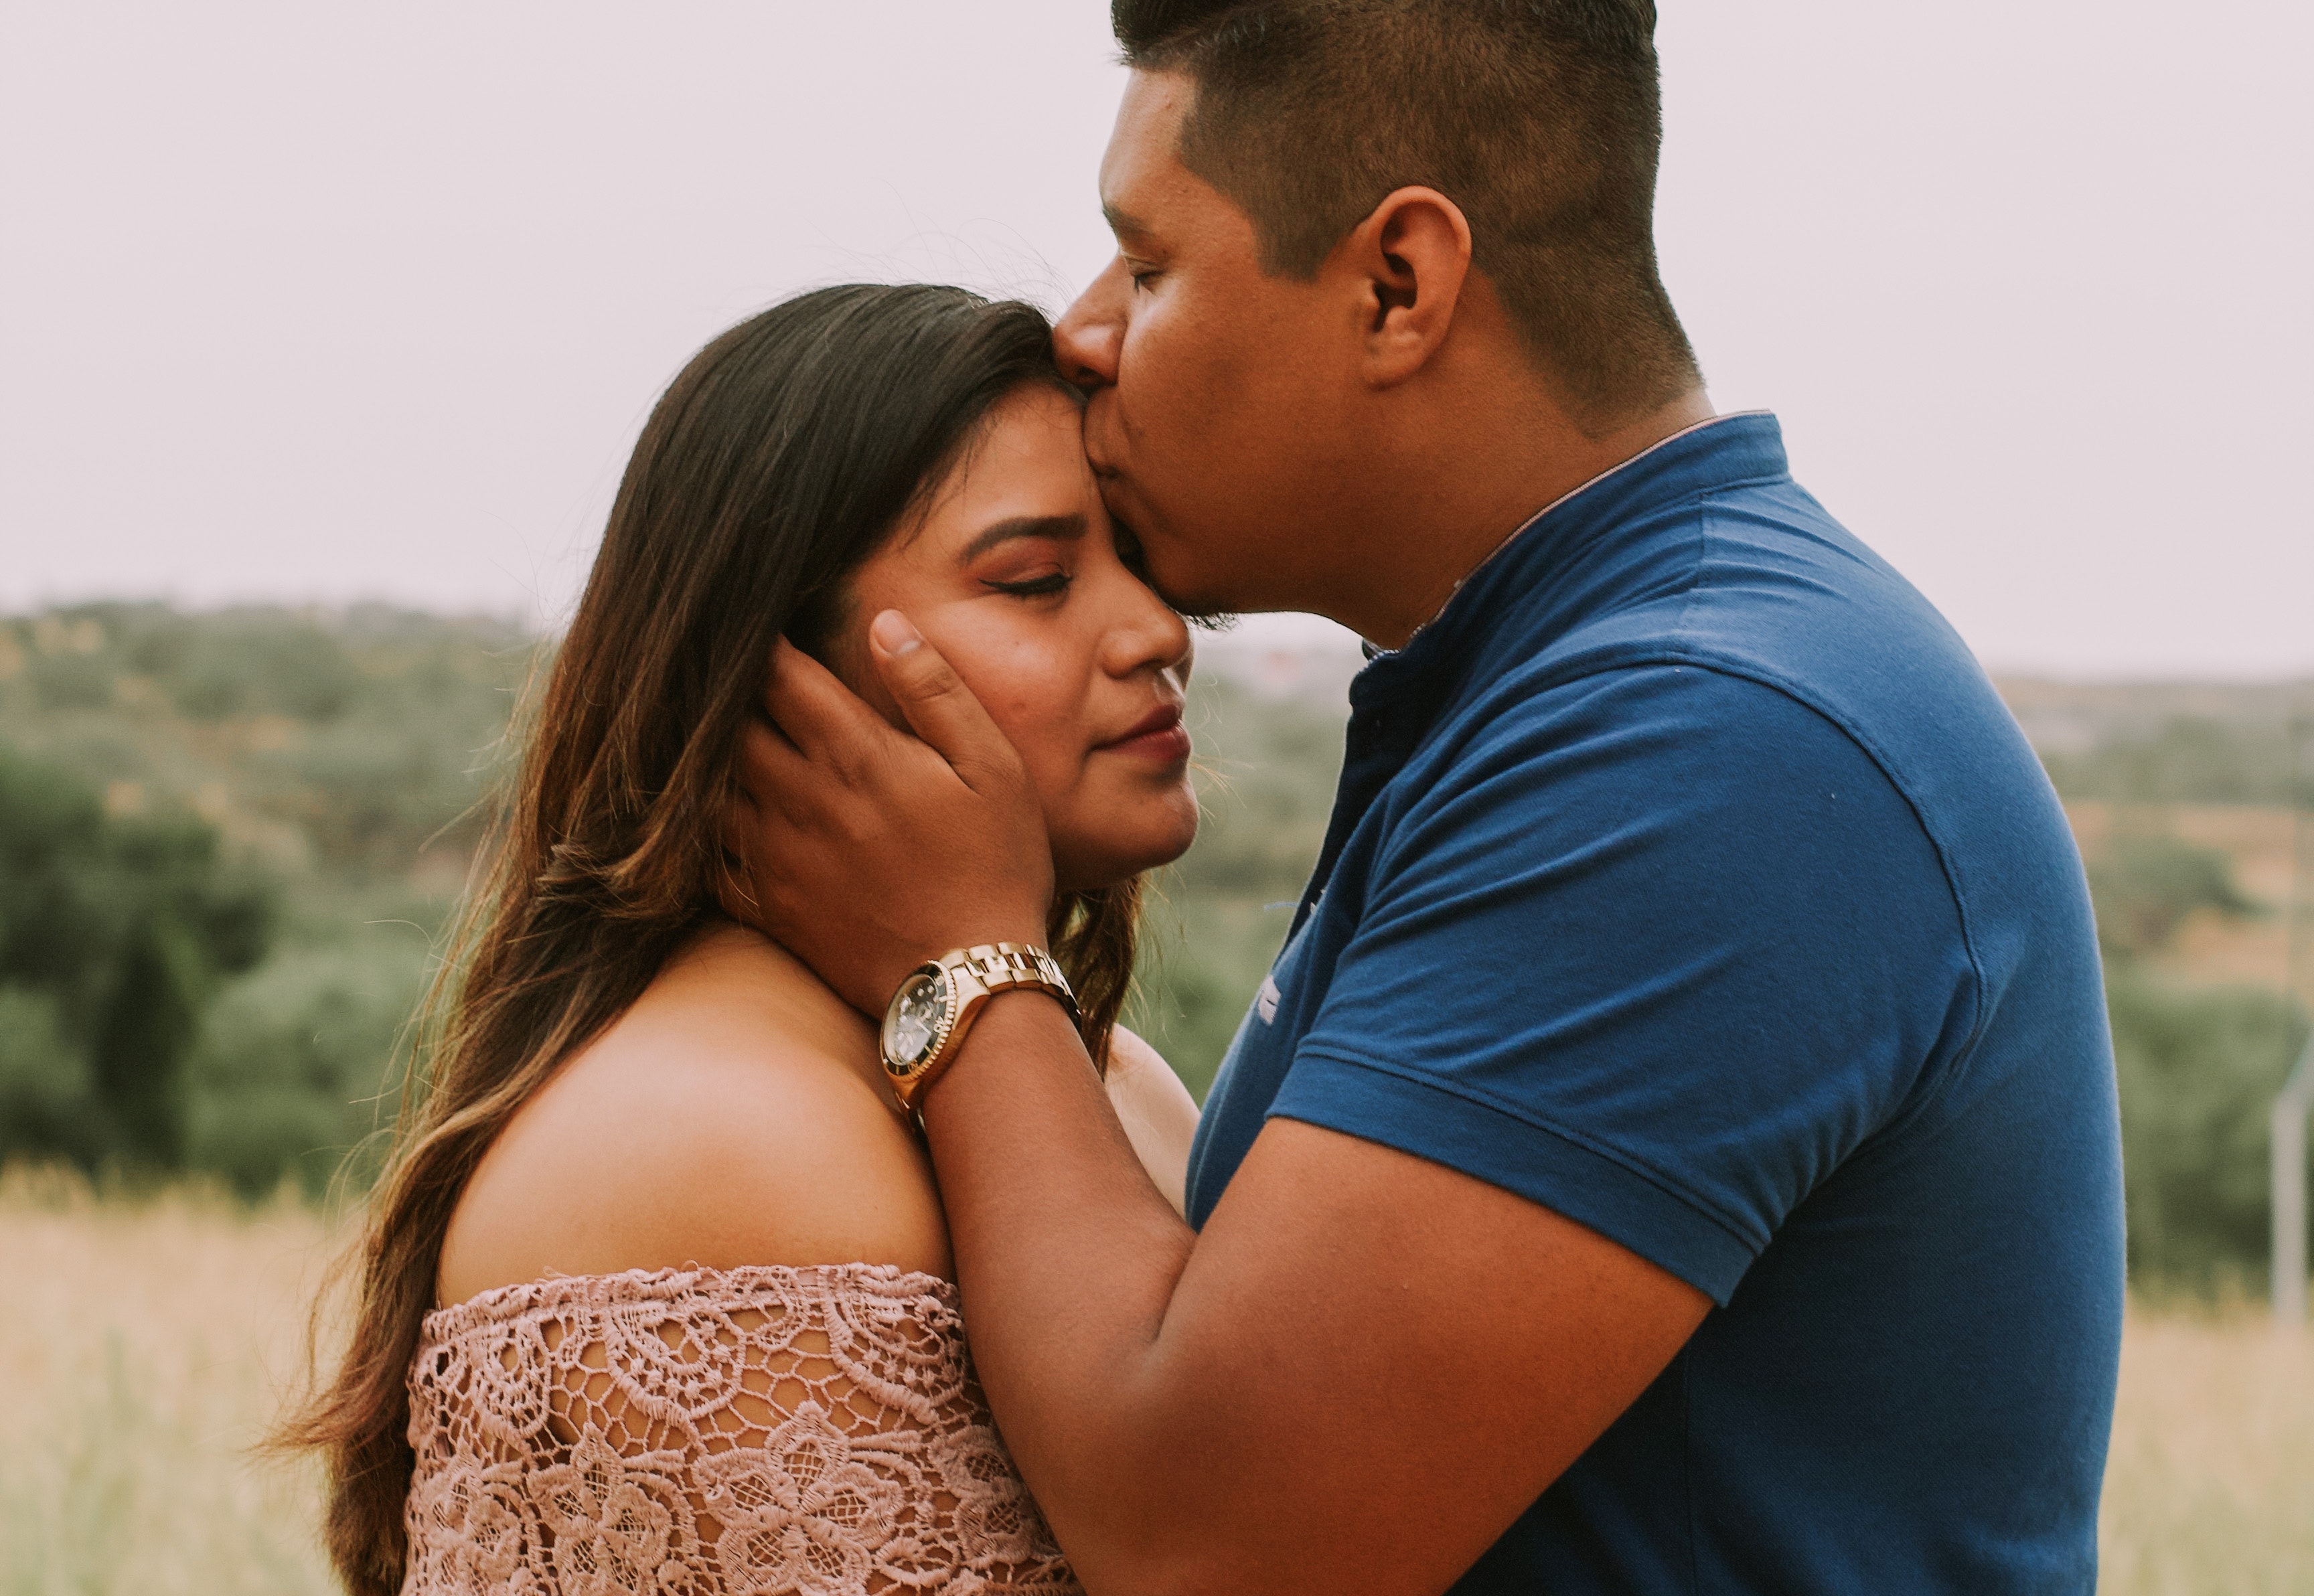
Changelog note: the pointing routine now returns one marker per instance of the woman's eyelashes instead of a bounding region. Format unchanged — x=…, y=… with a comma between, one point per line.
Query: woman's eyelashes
x=1040, y=587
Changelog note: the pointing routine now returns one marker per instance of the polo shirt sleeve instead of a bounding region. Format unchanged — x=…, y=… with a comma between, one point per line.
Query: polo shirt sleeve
x=1658, y=949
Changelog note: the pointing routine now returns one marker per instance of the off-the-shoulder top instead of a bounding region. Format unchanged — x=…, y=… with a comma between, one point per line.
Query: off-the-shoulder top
x=705, y=1431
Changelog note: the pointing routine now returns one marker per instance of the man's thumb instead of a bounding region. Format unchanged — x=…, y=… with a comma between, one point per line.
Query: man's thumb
x=936, y=703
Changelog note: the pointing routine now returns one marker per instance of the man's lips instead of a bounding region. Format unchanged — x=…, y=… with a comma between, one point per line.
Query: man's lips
x=1158, y=735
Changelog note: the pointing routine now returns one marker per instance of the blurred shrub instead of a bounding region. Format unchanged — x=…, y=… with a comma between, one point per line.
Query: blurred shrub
x=255, y=662
x=350, y=747
x=2189, y=759
x=47, y=1105
x=2145, y=886
x=2197, y=1067
x=1202, y=961
x=367, y=733
x=1265, y=773
x=114, y=932
x=72, y=682
x=296, y=1063
x=2198, y=1072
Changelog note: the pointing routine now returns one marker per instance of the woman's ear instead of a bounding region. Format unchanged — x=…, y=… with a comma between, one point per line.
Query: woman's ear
x=1411, y=258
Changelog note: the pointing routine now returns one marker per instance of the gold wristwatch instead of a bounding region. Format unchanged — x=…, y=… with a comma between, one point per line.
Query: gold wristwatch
x=925, y=1023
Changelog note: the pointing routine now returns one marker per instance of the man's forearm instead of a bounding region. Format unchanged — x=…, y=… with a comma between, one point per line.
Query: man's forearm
x=1068, y=1257
x=1351, y=1382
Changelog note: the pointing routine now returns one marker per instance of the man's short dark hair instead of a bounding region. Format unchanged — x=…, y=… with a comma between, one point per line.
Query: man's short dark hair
x=1542, y=118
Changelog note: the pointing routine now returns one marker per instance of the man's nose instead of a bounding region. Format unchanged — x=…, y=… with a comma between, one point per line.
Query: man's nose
x=1086, y=339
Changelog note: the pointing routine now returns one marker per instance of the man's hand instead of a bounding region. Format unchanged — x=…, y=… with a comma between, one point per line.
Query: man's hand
x=865, y=851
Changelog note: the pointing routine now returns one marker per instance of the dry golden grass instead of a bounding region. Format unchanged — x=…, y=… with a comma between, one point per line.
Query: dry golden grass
x=142, y=1348
x=2210, y=1486
x=144, y=1344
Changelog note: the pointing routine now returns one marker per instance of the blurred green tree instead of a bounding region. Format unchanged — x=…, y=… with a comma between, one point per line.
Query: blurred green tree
x=296, y=1058
x=2145, y=886
x=1265, y=772
x=2187, y=759
x=114, y=932
x=2198, y=1069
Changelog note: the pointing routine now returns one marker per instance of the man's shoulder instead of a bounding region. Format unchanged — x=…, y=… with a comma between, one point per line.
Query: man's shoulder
x=1762, y=605
x=1675, y=733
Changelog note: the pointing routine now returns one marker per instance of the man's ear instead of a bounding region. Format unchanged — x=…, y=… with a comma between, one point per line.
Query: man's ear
x=1412, y=256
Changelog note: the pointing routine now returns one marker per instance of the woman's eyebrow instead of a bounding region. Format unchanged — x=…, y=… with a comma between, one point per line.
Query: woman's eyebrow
x=1067, y=528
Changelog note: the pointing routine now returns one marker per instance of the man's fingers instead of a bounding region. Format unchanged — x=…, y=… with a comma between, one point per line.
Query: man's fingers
x=765, y=772
x=815, y=712
x=936, y=703
x=768, y=763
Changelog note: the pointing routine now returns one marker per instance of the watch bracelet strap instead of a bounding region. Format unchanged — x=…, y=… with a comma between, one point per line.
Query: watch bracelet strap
x=1001, y=966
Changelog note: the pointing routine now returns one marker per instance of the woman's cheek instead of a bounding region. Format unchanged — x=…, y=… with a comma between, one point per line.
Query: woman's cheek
x=1049, y=758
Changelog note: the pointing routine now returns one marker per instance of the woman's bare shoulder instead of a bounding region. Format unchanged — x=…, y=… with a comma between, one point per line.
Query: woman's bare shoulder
x=736, y=1114
x=1159, y=1115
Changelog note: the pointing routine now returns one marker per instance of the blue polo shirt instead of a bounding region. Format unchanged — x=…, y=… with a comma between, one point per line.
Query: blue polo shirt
x=1688, y=877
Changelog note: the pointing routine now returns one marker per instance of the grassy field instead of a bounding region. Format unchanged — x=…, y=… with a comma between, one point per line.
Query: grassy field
x=142, y=1348
x=143, y=1345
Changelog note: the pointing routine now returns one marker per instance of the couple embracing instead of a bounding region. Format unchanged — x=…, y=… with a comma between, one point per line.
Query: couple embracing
x=1674, y=1149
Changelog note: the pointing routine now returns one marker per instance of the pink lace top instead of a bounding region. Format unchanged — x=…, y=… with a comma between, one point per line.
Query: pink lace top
x=766, y=1430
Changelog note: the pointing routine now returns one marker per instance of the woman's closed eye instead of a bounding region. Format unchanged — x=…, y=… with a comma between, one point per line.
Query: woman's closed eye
x=1026, y=556
x=1041, y=586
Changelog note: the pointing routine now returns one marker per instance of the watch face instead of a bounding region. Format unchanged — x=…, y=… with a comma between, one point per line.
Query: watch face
x=911, y=1028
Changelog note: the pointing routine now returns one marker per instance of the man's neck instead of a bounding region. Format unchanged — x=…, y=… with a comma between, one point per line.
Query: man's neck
x=1467, y=497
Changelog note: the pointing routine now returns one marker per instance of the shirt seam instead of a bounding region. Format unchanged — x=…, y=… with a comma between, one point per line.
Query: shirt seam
x=1962, y=1054
x=1509, y=1109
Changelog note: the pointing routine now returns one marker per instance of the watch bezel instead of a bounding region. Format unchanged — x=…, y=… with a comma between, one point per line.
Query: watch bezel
x=908, y=1069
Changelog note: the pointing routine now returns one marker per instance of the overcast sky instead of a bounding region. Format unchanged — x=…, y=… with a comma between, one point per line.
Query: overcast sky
x=339, y=302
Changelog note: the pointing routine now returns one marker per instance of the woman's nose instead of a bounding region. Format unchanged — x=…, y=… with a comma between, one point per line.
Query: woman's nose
x=1150, y=635
x=1087, y=337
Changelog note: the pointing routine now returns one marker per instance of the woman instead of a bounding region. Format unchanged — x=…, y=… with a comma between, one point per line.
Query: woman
x=656, y=1293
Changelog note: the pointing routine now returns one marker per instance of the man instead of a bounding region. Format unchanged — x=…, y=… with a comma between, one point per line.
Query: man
x=1675, y=1149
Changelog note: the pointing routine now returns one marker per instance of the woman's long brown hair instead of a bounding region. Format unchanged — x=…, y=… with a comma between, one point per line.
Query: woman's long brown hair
x=777, y=462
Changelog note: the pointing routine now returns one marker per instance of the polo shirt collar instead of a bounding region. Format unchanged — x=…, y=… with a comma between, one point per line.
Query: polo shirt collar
x=1746, y=446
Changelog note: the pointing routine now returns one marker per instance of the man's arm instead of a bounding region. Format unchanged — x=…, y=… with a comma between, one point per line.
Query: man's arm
x=1353, y=1379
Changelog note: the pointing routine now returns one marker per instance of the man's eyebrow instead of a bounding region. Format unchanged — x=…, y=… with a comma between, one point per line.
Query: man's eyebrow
x=1067, y=528
x=1120, y=221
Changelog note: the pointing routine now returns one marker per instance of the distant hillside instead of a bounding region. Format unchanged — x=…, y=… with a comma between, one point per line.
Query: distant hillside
x=357, y=739
x=2171, y=742
x=240, y=1015
x=2071, y=717
x=336, y=740
x=314, y=775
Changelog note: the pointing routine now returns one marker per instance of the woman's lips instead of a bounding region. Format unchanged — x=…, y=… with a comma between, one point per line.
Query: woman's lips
x=1159, y=736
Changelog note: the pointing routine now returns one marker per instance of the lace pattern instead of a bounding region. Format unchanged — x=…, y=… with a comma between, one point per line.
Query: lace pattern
x=703, y=1431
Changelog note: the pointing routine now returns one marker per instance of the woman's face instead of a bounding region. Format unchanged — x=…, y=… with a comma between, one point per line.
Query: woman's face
x=1013, y=572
